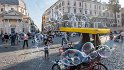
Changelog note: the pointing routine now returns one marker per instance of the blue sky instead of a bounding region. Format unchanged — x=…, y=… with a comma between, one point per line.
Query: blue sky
x=37, y=7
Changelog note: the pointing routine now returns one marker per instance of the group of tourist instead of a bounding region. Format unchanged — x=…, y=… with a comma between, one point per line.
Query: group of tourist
x=118, y=38
x=13, y=38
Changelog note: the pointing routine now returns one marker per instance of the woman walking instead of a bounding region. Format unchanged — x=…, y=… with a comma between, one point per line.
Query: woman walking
x=25, y=40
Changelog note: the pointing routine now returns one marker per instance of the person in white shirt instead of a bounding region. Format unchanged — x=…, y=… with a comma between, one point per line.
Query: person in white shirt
x=64, y=38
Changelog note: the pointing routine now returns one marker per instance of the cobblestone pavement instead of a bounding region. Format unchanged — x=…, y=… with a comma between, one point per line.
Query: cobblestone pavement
x=116, y=60
x=15, y=58
x=33, y=59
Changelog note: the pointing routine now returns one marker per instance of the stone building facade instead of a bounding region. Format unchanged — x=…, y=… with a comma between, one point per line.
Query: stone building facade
x=85, y=11
x=13, y=16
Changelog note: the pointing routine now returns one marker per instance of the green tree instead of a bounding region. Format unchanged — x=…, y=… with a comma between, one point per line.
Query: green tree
x=114, y=6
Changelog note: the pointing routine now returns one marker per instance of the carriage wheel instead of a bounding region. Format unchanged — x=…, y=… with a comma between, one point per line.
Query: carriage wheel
x=56, y=67
x=99, y=66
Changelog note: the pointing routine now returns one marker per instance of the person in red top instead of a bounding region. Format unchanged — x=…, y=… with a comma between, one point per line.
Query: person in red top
x=25, y=40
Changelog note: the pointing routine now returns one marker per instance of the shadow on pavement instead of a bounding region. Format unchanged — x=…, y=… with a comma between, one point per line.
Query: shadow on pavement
x=38, y=63
x=9, y=49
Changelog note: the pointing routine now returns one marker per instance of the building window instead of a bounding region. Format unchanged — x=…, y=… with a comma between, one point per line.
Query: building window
x=68, y=3
x=90, y=6
x=56, y=7
x=103, y=8
x=90, y=12
x=95, y=12
x=80, y=11
x=74, y=10
x=100, y=13
x=59, y=5
x=63, y=3
x=103, y=14
x=85, y=12
x=2, y=9
x=63, y=10
x=19, y=20
x=95, y=6
x=118, y=21
x=80, y=4
x=85, y=5
x=99, y=7
x=49, y=12
x=6, y=20
x=118, y=16
x=68, y=10
x=59, y=9
x=74, y=3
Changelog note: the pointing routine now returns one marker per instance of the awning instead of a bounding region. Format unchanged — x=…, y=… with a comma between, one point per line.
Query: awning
x=86, y=30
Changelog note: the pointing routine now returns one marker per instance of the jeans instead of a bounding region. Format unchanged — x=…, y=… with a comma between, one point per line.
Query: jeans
x=64, y=40
x=12, y=42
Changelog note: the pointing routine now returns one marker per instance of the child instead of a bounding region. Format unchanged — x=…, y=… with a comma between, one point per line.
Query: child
x=46, y=50
x=70, y=45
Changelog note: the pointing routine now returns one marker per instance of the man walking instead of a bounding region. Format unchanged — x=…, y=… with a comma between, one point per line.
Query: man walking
x=122, y=36
x=6, y=37
x=2, y=36
x=17, y=38
x=12, y=37
x=64, y=38
x=25, y=40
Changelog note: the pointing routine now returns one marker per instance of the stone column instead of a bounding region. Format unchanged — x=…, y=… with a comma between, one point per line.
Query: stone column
x=4, y=26
x=23, y=30
x=21, y=26
x=8, y=26
x=17, y=26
